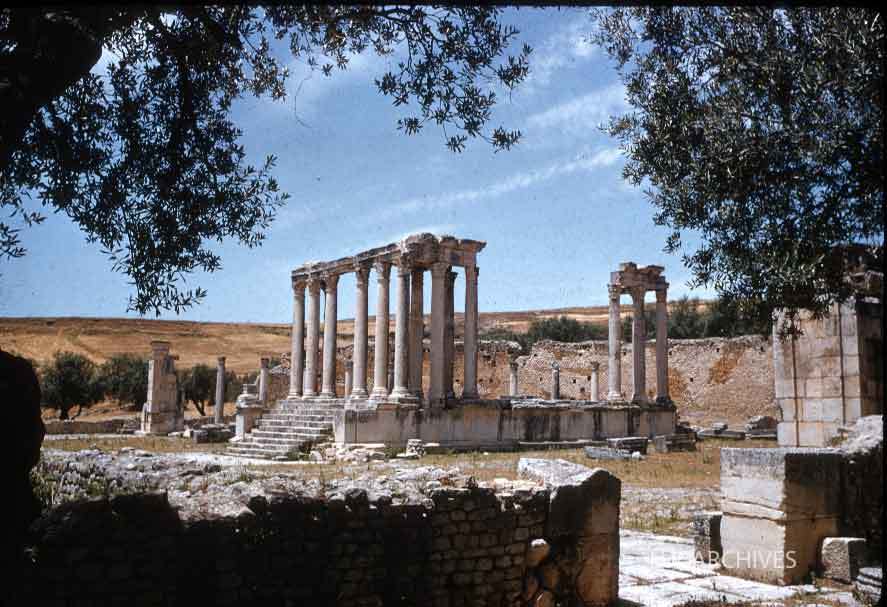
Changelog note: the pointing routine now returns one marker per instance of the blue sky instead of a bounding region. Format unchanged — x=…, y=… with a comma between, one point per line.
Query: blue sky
x=555, y=213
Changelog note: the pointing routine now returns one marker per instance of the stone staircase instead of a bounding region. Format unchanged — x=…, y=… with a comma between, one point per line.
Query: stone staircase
x=287, y=426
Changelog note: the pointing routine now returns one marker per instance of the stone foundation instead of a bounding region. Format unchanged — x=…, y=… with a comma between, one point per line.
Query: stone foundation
x=501, y=424
x=204, y=536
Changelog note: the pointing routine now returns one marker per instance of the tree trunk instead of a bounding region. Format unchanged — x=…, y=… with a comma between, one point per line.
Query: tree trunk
x=200, y=408
x=63, y=413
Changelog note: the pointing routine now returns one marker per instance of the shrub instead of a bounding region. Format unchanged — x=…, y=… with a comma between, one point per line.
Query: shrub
x=125, y=379
x=67, y=381
x=198, y=385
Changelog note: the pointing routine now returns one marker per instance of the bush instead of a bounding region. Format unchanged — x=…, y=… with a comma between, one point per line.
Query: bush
x=70, y=380
x=562, y=329
x=125, y=379
x=198, y=385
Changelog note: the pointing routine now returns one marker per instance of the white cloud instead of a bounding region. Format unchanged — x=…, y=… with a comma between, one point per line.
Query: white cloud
x=584, y=162
x=568, y=46
x=584, y=112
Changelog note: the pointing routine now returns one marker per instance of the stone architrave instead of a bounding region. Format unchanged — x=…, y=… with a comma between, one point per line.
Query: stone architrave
x=297, y=353
x=219, y=408
x=330, y=328
x=614, y=364
x=380, y=379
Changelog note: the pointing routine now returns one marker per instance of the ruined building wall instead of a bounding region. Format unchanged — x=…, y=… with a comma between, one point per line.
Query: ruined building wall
x=830, y=375
x=266, y=543
x=710, y=379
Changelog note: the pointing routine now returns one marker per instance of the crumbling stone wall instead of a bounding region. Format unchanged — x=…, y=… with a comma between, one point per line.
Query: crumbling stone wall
x=210, y=538
x=863, y=483
x=710, y=379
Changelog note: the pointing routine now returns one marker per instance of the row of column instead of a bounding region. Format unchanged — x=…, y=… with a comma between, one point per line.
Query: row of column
x=409, y=329
x=638, y=345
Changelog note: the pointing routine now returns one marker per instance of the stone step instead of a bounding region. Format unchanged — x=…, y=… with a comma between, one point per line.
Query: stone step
x=292, y=416
x=260, y=436
x=279, y=427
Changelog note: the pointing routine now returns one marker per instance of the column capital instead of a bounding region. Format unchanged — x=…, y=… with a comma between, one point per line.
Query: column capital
x=471, y=272
x=299, y=286
x=661, y=295
x=362, y=272
x=221, y=360
x=439, y=269
x=637, y=293
x=313, y=283
x=405, y=266
x=615, y=291
x=451, y=276
x=383, y=269
x=330, y=280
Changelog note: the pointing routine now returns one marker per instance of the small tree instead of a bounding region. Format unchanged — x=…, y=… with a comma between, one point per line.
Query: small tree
x=233, y=386
x=198, y=384
x=125, y=379
x=685, y=321
x=564, y=329
x=69, y=380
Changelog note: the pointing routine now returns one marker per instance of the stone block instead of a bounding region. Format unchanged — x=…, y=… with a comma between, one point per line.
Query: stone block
x=633, y=444
x=607, y=453
x=778, y=504
x=868, y=584
x=707, y=536
x=841, y=557
x=668, y=443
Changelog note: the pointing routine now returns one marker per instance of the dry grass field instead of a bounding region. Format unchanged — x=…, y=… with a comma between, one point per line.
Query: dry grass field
x=201, y=342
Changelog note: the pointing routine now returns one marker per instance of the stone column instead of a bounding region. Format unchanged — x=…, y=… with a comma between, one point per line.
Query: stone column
x=380, y=377
x=450, y=348
x=555, y=382
x=662, y=344
x=331, y=282
x=312, y=338
x=219, y=410
x=360, y=335
x=595, y=394
x=297, y=353
x=512, y=378
x=469, y=381
x=349, y=365
x=263, y=381
x=417, y=331
x=401, y=390
x=614, y=364
x=437, y=390
x=638, y=345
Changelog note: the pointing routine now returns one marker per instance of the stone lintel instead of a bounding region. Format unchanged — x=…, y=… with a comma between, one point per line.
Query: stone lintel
x=629, y=276
x=422, y=249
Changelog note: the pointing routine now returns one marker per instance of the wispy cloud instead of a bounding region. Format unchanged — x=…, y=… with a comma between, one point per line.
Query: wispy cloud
x=584, y=162
x=582, y=113
x=566, y=47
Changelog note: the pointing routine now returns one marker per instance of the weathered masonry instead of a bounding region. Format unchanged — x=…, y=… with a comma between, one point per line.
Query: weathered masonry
x=395, y=405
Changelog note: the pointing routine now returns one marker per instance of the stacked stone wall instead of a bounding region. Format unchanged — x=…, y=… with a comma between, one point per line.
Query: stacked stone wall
x=210, y=538
x=709, y=379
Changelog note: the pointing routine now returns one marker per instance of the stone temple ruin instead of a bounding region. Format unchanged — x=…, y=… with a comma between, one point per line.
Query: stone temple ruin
x=163, y=412
x=397, y=405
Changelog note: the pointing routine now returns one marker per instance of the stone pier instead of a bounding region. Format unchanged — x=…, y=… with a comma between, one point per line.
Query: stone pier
x=162, y=413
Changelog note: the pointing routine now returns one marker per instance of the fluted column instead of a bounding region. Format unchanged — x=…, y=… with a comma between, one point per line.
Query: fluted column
x=297, y=354
x=437, y=389
x=359, y=390
x=263, y=380
x=451, y=335
x=638, y=345
x=417, y=331
x=330, y=327
x=219, y=409
x=380, y=377
x=312, y=338
x=614, y=363
x=662, y=344
x=349, y=377
x=401, y=390
x=595, y=386
x=469, y=381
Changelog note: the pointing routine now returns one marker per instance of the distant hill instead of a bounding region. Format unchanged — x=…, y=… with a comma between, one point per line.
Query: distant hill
x=201, y=342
